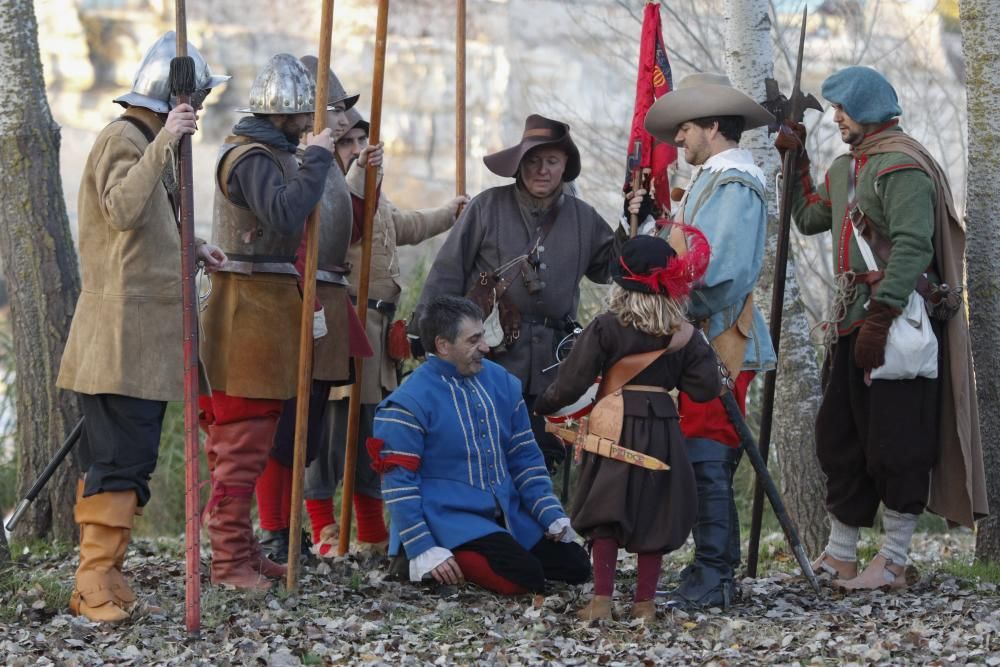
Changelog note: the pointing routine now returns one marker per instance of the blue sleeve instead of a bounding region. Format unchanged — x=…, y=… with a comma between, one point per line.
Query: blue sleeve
x=403, y=435
x=734, y=219
x=527, y=467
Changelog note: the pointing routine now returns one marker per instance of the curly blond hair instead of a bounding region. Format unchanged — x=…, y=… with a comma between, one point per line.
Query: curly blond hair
x=655, y=314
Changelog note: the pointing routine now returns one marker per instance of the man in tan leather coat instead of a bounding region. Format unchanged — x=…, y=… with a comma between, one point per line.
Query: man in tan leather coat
x=125, y=348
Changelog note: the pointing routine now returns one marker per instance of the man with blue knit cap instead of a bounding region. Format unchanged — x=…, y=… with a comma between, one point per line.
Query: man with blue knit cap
x=907, y=444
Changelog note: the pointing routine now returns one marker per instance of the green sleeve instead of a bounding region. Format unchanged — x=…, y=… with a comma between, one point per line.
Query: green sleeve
x=908, y=204
x=811, y=209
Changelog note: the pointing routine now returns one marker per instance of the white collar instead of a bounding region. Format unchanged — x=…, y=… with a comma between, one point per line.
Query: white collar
x=735, y=158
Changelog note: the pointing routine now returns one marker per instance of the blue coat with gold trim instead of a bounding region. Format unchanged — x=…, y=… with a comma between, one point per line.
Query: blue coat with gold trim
x=478, y=468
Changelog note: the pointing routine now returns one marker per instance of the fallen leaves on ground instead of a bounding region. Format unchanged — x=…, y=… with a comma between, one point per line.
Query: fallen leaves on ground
x=346, y=613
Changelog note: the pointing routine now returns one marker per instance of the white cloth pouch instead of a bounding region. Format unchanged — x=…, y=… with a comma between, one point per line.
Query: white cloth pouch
x=911, y=350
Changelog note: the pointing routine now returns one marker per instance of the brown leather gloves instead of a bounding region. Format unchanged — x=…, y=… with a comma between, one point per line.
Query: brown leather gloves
x=869, y=348
x=791, y=136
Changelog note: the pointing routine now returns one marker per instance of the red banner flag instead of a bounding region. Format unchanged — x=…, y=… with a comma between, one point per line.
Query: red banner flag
x=653, y=81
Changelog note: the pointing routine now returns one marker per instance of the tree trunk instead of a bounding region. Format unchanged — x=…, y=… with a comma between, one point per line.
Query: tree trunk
x=4, y=549
x=41, y=268
x=981, y=44
x=749, y=60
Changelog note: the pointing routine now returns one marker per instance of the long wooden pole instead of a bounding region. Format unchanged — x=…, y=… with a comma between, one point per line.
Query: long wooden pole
x=308, y=306
x=371, y=189
x=192, y=444
x=788, y=169
x=460, y=145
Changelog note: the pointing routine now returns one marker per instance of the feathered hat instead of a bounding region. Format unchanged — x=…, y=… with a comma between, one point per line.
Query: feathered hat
x=650, y=265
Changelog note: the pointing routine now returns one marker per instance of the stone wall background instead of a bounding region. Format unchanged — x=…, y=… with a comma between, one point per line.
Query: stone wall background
x=570, y=59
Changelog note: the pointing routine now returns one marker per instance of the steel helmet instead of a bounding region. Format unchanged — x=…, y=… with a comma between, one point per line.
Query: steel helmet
x=151, y=86
x=335, y=93
x=284, y=86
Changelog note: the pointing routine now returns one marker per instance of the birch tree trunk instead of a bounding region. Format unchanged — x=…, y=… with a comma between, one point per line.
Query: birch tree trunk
x=981, y=44
x=749, y=60
x=41, y=268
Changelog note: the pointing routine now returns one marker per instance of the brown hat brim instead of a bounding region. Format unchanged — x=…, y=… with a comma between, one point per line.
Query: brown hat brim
x=703, y=101
x=507, y=162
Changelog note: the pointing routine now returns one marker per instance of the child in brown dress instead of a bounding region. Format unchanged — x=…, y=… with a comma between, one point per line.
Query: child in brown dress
x=619, y=504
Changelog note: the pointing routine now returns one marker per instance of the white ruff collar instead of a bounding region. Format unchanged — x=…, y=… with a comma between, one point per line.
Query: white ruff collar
x=735, y=158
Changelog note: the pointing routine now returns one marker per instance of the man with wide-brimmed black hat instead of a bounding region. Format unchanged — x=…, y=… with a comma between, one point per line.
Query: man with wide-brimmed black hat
x=520, y=250
x=706, y=116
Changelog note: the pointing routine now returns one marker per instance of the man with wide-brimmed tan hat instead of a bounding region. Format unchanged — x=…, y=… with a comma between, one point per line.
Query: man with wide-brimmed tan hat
x=124, y=355
x=520, y=250
x=252, y=318
x=706, y=116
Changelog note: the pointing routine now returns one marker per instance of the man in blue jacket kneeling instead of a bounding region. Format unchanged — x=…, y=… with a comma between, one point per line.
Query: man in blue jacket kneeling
x=465, y=483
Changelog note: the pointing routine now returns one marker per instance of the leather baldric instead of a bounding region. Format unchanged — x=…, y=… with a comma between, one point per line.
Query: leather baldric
x=881, y=246
x=608, y=415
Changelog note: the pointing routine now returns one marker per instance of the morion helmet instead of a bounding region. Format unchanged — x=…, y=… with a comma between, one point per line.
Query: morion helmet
x=151, y=86
x=335, y=89
x=284, y=86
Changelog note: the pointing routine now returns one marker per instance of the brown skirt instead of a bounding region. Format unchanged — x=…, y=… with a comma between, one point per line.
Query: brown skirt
x=646, y=511
x=250, y=335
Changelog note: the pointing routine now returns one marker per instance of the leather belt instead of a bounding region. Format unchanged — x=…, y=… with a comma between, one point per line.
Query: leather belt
x=249, y=268
x=550, y=322
x=867, y=277
x=331, y=277
x=649, y=388
x=386, y=308
x=262, y=259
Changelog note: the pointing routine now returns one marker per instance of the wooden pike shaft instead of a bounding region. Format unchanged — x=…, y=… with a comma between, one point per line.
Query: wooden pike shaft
x=788, y=169
x=192, y=443
x=308, y=306
x=606, y=448
x=371, y=203
x=460, y=145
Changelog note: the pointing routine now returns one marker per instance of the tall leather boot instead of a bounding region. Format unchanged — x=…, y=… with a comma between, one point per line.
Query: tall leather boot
x=119, y=585
x=100, y=592
x=709, y=580
x=240, y=452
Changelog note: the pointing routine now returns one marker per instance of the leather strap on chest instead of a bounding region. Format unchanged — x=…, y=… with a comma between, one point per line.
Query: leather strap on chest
x=608, y=416
x=627, y=368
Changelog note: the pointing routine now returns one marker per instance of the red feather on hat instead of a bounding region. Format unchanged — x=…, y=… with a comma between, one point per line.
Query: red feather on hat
x=683, y=270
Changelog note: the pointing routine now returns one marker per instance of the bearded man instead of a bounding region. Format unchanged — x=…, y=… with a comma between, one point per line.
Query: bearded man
x=252, y=318
x=331, y=361
x=905, y=444
x=124, y=355
x=520, y=250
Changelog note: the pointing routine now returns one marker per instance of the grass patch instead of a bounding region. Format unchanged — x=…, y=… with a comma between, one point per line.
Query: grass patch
x=977, y=572
x=23, y=588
